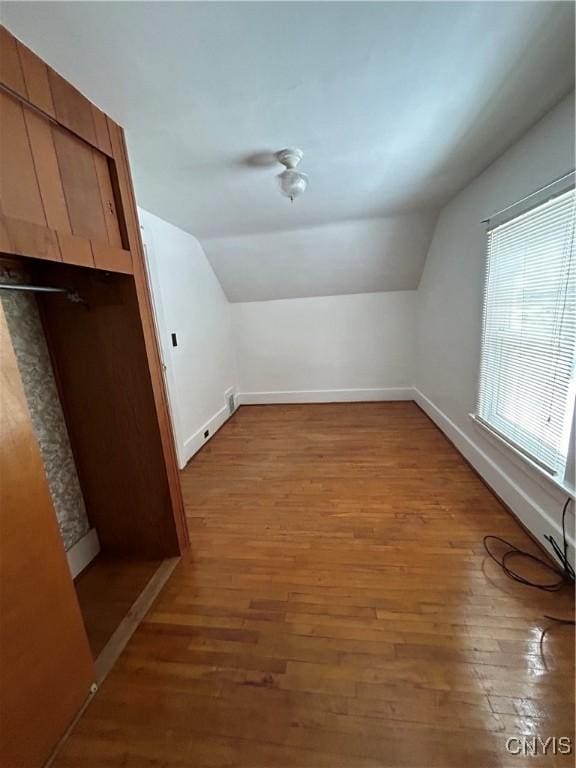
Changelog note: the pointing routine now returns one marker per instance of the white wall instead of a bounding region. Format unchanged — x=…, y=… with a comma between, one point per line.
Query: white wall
x=450, y=305
x=357, y=347
x=190, y=302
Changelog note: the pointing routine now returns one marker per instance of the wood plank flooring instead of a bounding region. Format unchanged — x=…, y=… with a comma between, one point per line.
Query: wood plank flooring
x=337, y=610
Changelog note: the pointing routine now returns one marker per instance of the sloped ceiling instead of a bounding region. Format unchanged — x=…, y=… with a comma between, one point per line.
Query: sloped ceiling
x=385, y=254
x=396, y=106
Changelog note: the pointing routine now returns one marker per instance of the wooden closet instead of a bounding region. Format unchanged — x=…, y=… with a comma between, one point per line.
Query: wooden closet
x=67, y=212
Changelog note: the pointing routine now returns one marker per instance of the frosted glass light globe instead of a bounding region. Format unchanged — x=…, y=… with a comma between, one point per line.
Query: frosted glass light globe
x=293, y=183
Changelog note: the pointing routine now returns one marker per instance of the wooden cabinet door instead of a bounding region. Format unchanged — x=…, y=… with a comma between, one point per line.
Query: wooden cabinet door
x=57, y=197
x=46, y=668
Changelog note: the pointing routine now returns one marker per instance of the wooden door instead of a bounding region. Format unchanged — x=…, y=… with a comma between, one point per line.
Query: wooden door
x=57, y=198
x=46, y=667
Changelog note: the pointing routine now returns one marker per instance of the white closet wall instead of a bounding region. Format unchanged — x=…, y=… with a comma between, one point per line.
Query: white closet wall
x=189, y=302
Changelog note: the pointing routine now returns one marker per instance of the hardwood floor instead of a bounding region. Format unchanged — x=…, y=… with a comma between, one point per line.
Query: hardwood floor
x=337, y=609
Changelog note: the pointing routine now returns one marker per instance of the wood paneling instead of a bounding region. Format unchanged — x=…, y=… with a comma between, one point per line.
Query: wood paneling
x=36, y=79
x=107, y=199
x=75, y=250
x=338, y=611
x=100, y=207
x=47, y=172
x=24, y=73
x=19, y=191
x=110, y=258
x=10, y=67
x=101, y=128
x=102, y=372
x=132, y=233
x=54, y=181
x=81, y=187
x=51, y=178
x=72, y=109
x=25, y=239
x=45, y=663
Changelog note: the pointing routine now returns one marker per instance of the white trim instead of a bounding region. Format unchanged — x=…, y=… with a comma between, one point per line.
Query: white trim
x=523, y=461
x=529, y=512
x=193, y=444
x=83, y=552
x=160, y=326
x=325, y=396
x=534, y=200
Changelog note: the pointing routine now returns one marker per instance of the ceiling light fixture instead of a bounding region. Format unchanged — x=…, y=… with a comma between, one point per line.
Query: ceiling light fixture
x=292, y=183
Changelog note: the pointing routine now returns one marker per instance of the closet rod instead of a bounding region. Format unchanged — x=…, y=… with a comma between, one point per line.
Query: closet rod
x=70, y=295
x=39, y=288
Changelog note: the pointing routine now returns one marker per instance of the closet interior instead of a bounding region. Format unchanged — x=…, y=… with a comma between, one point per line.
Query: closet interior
x=97, y=442
x=74, y=378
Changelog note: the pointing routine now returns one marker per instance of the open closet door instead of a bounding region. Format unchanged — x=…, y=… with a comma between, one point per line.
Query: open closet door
x=45, y=664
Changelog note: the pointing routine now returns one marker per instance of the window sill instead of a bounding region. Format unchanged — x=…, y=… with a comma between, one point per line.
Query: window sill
x=523, y=462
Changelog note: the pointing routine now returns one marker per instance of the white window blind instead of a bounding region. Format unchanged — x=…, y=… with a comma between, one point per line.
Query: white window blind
x=527, y=384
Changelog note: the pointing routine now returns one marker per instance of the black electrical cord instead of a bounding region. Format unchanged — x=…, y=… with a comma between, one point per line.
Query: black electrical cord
x=563, y=571
x=562, y=554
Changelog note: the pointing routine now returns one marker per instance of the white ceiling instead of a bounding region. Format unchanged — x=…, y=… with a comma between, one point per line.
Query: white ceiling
x=396, y=106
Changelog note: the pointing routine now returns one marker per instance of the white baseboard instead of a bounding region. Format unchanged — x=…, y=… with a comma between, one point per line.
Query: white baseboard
x=326, y=396
x=193, y=444
x=536, y=519
x=83, y=552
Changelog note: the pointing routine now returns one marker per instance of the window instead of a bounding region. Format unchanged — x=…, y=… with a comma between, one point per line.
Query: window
x=527, y=365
